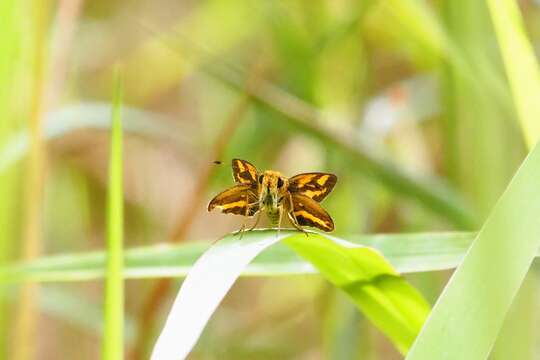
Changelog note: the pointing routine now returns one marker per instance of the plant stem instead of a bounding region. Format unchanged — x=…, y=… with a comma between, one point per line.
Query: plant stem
x=25, y=328
x=113, y=341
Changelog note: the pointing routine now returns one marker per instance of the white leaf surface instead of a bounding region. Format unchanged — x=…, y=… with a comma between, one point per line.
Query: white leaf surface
x=205, y=286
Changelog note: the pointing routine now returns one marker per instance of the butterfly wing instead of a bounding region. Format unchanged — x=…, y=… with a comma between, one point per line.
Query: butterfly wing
x=309, y=212
x=315, y=186
x=244, y=172
x=238, y=200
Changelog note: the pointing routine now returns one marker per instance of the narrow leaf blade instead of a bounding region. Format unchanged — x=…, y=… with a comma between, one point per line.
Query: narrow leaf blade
x=392, y=304
x=113, y=344
x=520, y=63
x=470, y=312
x=206, y=285
x=372, y=283
x=408, y=253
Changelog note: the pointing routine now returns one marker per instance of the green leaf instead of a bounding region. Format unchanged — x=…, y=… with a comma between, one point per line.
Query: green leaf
x=470, y=312
x=206, y=284
x=113, y=343
x=393, y=305
x=408, y=253
x=374, y=286
x=521, y=65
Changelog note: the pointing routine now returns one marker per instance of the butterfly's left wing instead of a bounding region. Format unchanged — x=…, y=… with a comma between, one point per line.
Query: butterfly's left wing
x=315, y=186
x=308, y=212
x=238, y=200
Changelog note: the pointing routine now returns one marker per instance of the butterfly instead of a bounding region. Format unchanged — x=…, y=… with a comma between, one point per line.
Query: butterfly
x=297, y=197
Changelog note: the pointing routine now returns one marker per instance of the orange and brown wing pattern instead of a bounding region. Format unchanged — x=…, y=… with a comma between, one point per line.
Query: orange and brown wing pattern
x=315, y=186
x=308, y=212
x=244, y=172
x=238, y=200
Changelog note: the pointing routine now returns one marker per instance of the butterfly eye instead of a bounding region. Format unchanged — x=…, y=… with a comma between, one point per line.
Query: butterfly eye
x=260, y=179
x=280, y=182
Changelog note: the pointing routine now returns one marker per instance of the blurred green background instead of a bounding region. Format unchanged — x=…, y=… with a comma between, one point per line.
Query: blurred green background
x=406, y=101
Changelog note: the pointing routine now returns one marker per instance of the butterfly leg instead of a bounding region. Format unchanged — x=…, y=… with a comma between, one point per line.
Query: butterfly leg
x=241, y=231
x=256, y=220
x=280, y=209
x=294, y=222
x=293, y=218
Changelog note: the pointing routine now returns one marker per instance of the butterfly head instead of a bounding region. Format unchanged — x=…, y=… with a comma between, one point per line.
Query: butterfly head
x=272, y=187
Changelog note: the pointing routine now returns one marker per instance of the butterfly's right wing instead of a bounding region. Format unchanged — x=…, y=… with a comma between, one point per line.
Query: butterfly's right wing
x=315, y=185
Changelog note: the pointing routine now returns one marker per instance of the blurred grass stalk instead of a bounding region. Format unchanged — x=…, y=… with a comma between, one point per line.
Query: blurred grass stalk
x=517, y=336
x=470, y=313
x=25, y=327
x=113, y=341
x=298, y=113
x=9, y=46
x=520, y=63
x=478, y=128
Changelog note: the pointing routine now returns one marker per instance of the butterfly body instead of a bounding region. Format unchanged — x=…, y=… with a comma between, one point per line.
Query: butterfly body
x=272, y=189
x=297, y=198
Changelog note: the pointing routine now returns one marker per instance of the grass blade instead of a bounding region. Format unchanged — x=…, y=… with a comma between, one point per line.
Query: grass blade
x=470, y=149
x=113, y=344
x=386, y=299
x=206, y=285
x=509, y=237
x=91, y=115
x=34, y=178
x=11, y=14
x=469, y=314
x=520, y=63
x=408, y=253
x=375, y=287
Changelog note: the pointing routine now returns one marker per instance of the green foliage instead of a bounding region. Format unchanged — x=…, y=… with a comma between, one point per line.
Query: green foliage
x=485, y=284
x=469, y=314
x=408, y=253
x=384, y=297
x=429, y=164
x=520, y=63
x=393, y=305
x=477, y=127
